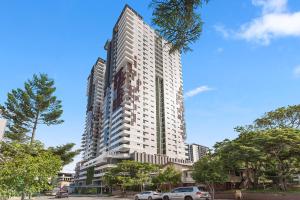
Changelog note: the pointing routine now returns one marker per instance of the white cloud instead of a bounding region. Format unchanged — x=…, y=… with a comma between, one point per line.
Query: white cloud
x=271, y=6
x=275, y=22
x=271, y=26
x=221, y=29
x=296, y=72
x=198, y=90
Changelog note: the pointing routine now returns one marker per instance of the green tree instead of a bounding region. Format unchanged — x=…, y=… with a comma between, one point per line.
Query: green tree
x=209, y=171
x=282, y=150
x=178, y=21
x=65, y=152
x=169, y=176
x=130, y=173
x=28, y=171
x=33, y=105
x=281, y=120
x=242, y=153
x=284, y=117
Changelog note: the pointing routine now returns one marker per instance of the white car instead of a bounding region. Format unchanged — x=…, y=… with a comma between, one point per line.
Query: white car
x=187, y=193
x=149, y=195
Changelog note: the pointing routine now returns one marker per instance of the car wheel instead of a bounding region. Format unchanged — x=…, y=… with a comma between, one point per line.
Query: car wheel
x=149, y=198
x=165, y=198
x=136, y=198
x=188, y=198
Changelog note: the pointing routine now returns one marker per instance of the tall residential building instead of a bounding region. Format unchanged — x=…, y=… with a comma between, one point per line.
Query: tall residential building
x=143, y=109
x=142, y=113
x=194, y=152
x=93, y=121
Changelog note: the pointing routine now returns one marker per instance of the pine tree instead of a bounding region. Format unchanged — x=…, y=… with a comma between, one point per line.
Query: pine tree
x=28, y=107
x=178, y=21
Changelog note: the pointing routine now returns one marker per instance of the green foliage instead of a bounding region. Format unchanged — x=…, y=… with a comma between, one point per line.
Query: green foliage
x=242, y=153
x=284, y=117
x=178, y=21
x=169, y=176
x=209, y=170
x=65, y=152
x=282, y=150
x=28, y=168
x=28, y=171
x=130, y=173
x=28, y=107
x=267, y=150
x=90, y=175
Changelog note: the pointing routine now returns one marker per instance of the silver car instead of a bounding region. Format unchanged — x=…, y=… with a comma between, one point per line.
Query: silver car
x=187, y=193
x=149, y=195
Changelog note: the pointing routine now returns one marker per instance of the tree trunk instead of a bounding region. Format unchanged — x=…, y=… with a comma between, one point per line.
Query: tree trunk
x=34, y=129
x=212, y=191
x=281, y=183
x=255, y=183
x=285, y=184
x=23, y=196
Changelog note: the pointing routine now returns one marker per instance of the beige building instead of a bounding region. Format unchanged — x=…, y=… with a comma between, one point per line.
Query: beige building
x=186, y=170
x=143, y=108
x=64, y=179
x=2, y=128
x=95, y=95
x=142, y=113
x=195, y=152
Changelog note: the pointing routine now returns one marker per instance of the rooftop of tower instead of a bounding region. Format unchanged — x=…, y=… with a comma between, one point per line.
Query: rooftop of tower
x=130, y=8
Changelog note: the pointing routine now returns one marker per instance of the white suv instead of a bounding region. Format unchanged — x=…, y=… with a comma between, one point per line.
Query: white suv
x=187, y=193
x=149, y=195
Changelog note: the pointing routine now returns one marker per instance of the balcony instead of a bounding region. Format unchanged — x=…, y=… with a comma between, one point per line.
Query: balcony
x=124, y=147
x=105, y=166
x=124, y=60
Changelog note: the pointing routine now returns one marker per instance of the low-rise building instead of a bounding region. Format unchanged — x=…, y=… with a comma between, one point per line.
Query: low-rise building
x=186, y=170
x=64, y=179
x=89, y=174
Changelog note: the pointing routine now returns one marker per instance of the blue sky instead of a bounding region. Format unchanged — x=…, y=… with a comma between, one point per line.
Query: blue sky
x=246, y=62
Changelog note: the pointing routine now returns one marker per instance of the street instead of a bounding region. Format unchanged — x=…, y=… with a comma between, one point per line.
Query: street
x=80, y=198
x=86, y=198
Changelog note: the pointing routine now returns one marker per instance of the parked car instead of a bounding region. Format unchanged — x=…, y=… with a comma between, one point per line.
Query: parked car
x=187, y=193
x=62, y=194
x=149, y=195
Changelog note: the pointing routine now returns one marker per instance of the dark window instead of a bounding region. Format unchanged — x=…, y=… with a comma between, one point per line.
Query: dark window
x=202, y=188
x=189, y=189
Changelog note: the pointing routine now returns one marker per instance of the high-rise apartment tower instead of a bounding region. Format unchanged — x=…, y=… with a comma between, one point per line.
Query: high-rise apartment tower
x=143, y=108
x=95, y=94
x=135, y=106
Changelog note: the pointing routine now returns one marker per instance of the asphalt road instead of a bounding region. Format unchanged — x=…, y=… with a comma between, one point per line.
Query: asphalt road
x=82, y=198
x=85, y=198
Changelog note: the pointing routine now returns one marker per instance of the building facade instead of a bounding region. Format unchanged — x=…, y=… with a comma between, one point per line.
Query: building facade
x=142, y=112
x=143, y=108
x=194, y=152
x=95, y=94
x=64, y=179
